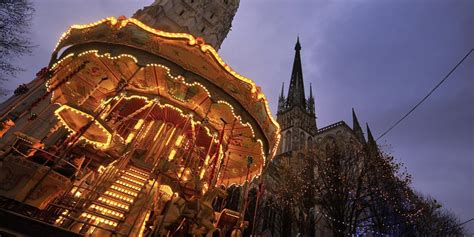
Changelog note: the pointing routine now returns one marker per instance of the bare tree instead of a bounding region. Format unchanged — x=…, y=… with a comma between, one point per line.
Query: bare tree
x=361, y=190
x=293, y=196
x=356, y=189
x=435, y=221
x=393, y=205
x=340, y=184
x=15, y=20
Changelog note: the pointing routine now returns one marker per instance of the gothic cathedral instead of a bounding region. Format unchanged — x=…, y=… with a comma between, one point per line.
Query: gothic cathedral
x=299, y=134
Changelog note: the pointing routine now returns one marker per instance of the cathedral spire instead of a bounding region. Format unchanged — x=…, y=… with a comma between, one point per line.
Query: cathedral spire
x=282, y=88
x=296, y=95
x=281, y=99
x=370, y=138
x=298, y=45
x=311, y=108
x=356, y=127
x=371, y=143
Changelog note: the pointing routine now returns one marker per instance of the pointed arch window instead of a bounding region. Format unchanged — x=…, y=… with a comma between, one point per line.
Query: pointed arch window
x=295, y=141
x=310, y=142
x=302, y=140
x=288, y=141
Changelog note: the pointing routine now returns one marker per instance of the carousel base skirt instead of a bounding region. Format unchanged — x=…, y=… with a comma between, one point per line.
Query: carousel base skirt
x=14, y=224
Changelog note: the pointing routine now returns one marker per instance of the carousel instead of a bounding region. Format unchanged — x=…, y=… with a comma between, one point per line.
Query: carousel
x=155, y=126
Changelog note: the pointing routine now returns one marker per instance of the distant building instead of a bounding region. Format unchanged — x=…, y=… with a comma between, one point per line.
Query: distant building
x=299, y=132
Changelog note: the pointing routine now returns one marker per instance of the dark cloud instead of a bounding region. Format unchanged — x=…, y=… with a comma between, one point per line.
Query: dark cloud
x=378, y=56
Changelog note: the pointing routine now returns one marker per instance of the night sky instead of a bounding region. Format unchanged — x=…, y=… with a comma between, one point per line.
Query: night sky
x=378, y=56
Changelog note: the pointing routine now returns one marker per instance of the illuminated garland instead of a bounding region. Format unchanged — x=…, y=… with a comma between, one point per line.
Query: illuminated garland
x=181, y=80
x=62, y=60
x=191, y=41
x=95, y=143
x=184, y=115
x=178, y=78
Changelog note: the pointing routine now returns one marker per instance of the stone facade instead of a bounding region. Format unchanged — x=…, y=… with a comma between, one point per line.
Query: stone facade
x=209, y=19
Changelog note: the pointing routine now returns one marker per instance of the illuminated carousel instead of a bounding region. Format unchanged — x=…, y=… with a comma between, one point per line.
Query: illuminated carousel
x=158, y=125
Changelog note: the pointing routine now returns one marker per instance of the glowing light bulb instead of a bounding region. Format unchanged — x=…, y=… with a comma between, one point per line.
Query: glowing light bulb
x=179, y=140
x=139, y=124
x=172, y=154
x=130, y=137
x=201, y=174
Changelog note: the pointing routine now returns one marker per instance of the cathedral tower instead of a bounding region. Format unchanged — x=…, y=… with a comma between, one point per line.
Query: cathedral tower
x=296, y=114
x=208, y=19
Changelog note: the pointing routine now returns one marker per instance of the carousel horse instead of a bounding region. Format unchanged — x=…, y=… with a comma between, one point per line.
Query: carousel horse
x=170, y=215
x=198, y=211
x=204, y=215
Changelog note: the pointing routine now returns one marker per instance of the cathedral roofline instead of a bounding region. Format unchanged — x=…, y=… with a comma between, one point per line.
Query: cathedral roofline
x=332, y=126
x=354, y=132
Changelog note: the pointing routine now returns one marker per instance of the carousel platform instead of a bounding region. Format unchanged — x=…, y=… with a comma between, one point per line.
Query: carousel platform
x=14, y=224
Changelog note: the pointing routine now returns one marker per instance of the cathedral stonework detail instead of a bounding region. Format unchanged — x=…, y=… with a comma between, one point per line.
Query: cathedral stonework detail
x=208, y=19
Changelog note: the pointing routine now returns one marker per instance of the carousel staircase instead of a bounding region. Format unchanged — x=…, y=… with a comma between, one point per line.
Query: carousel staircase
x=112, y=206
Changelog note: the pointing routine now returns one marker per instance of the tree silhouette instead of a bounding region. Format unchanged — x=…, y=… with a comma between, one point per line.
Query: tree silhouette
x=15, y=20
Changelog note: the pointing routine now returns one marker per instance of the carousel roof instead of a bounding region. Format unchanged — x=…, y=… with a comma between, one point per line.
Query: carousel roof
x=172, y=68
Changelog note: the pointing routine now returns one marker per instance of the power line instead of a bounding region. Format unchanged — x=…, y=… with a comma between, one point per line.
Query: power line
x=460, y=224
x=472, y=219
x=427, y=95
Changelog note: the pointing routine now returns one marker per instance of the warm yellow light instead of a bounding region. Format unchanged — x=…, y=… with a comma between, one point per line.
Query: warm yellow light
x=201, y=174
x=95, y=143
x=101, y=169
x=191, y=40
x=179, y=140
x=135, y=176
x=180, y=171
x=205, y=187
x=130, y=137
x=139, y=171
x=159, y=131
x=139, y=124
x=206, y=161
x=172, y=154
x=143, y=225
x=77, y=194
x=134, y=181
x=171, y=135
x=166, y=190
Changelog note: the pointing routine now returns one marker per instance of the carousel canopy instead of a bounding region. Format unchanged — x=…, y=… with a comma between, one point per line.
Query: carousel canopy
x=123, y=58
